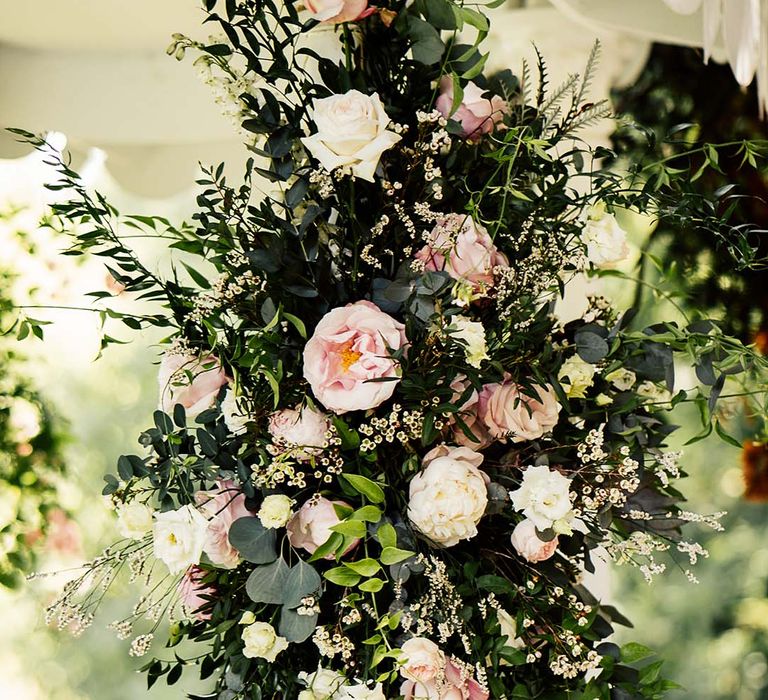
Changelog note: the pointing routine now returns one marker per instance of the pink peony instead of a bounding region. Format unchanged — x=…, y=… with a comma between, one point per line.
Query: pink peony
x=509, y=413
x=468, y=414
x=470, y=689
x=422, y=660
x=528, y=545
x=191, y=381
x=311, y=526
x=450, y=684
x=191, y=593
x=463, y=249
x=349, y=348
x=338, y=11
x=300, y=427
x=222, y=506
x=477, y=115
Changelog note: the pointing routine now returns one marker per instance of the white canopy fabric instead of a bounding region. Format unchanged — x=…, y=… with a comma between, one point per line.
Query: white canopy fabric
x=97, y=71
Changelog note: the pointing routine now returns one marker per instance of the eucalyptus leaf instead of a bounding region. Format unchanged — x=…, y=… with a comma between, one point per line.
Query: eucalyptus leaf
x=302, y=581
x=255, y=543
x=266, y=584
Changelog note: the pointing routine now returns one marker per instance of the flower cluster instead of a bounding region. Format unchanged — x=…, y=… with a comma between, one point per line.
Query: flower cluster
x=380, y=471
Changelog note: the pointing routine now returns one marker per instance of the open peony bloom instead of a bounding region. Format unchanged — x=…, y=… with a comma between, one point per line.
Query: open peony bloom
x=462, y=248
x=350, y=347
x=477, y=115
x=222, y=506
x=449, y=496
x=351, y=132
x=508, y=412
x=311, y=526
x=528, y=545
x=191, y=381
x=337, y=11
x=191, y=593
x=300, y=428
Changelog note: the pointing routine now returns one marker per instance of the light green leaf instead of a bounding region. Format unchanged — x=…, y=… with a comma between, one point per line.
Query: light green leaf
x=364, y=567
x=342, y=576
x=393, y=555
x=370, y=489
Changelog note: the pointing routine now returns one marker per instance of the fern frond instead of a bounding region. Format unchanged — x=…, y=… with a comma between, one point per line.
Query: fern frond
x=543, y=78
x=589, y=71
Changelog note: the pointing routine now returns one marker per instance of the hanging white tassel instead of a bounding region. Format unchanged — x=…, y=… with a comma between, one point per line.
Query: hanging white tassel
x=741, y=32
x=712, y=12
x=684, y=7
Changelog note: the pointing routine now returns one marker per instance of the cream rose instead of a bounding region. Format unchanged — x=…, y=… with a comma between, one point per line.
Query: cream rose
x=449, y=496
x=262, y=642
x=576, y=376
x=477, y=114
x=509, y=412
x=544, y=498
x=464, y=249
x=528, y=545
x=191, y=381
x=351, y=346
x=623, y=379
x=361, y=691
x=311, y=526
x=302, y=429
x=276, y=511
x=336, y=11
x=134, y=519
x=235, y=418
x=509, y=630
x=605, y=240
x=323, y=684
x=422, y=661
x=658, y=397
x=179, y=537
x=351, y=132
x=471, y=334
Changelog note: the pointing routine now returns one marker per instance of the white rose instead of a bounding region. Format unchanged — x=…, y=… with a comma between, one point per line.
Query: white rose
x=623, y=379
x=235, y=418
x=658, y=397
x=24, y=420
x=275, y=511
x=448, y=498
x=576, y=377
x=134, y=519
x=509, y=630
x=262, y=642
x=603, y=400
x=361, y=692
x=472, y=335
x=323, y=684
x=351, y=131
x=544, y=498
x=179, y=537
x=300, y=427
x=605, y=240
x=422, y=660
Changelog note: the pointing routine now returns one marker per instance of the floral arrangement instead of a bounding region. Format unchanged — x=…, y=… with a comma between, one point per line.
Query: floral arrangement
x=382, y=463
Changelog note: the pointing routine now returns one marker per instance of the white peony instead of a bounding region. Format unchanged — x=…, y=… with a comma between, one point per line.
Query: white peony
x=361, y=692
x=276, y=510
x=262, y=642
x=623, y=379
x=544, y=498
x=351, y=132
x=605, y=240
x=449, y=496
x=509, y=629
x=472, y=335
x=323, y=684
x=179, y=537
x=576, y=376
x=134, y=519
x=235, y=418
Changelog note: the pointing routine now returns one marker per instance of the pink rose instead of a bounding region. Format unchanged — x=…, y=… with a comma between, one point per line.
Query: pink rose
x=468, y=415
x=311, y=526
x=300, y=427
x=222, y=506
x=469, y=688
x=463, y=249
x=191, y=381
x=348, y=349
x=63, y=534
x=529, y=546
x=338, y=11
x=191, y=593
x=509, y=413
x=477, y=115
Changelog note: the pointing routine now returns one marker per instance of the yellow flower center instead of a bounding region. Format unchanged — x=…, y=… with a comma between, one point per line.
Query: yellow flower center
x=348, y=356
